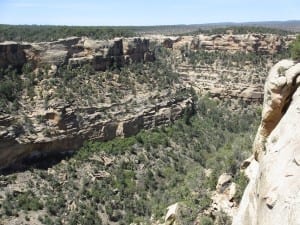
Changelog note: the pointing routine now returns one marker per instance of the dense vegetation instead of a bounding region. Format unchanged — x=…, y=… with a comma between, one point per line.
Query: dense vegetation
x=134, y=179
x=10, y=88
x=242, y=30
x=36, y=33
x=295, y=49
x=239, y=59
x=83, y=85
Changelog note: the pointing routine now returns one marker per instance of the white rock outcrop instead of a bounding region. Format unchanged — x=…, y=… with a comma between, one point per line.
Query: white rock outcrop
x=223, y=197
x=273, y=193
x=171, y=216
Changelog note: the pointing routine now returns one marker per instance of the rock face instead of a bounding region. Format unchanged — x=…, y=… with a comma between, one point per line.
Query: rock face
x=66, y=127
x=258, y=43
x=12, y=53
x=103, y=54
x=76, y=51
x=231, y=80
x=225, y=83
x=272, y=195
x=60, y=125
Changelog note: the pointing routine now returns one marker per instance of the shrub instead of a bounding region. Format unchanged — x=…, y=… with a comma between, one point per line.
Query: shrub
x=205, y=220
x=241, y=180
x=295, y=49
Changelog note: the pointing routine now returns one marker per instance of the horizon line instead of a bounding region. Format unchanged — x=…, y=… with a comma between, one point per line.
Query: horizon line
x=162, y=25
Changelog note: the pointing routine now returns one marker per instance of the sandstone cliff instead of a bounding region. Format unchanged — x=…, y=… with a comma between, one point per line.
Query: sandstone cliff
x=66, y=127
x=61, y=104
x=258, y=43
x=226, y=66
x=49, y=121
x=75, y=51
x=221, y=81
x=272, y=195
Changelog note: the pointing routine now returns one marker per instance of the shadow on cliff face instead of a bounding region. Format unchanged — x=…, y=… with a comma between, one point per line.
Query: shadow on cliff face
x=36, y=161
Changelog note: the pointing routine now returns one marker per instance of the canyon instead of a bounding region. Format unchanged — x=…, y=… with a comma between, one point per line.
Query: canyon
x=63, y=126
x=77, y=91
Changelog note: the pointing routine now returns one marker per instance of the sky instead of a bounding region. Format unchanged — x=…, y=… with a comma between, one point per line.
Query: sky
x=145, y=12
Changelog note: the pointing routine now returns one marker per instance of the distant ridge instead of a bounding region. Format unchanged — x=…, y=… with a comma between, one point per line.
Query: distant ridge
x=44, y=32
x=290, y=25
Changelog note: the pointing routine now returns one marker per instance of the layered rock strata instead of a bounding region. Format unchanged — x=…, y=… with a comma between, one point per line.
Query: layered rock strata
x=258, y=43
x=65, y=127
x=75, y=51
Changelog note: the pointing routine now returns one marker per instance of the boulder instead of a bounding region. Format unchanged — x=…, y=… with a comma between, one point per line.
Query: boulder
x=223, y=182
x=172, y=214
x=223, y=197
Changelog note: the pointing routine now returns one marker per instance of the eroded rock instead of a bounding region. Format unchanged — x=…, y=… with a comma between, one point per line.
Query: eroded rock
x=279, y=88
x=223, y=197
x=272, y=195
x=76, y=51
x=172, y=214
x=66, y=132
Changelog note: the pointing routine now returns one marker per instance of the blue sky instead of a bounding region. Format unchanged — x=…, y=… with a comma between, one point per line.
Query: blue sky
x=145, y=12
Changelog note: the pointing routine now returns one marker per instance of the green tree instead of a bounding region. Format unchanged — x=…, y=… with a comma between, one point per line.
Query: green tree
x=295, y=49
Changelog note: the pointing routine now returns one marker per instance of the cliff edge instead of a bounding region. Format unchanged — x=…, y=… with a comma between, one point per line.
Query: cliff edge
x=273, y=193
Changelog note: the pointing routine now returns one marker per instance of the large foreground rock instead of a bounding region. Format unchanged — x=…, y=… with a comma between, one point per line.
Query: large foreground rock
x=273, y=193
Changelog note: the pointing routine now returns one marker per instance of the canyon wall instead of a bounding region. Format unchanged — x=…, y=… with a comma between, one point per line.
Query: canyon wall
x=66, y=127
x=101, y=54
x=60, y=125
x=230, y=80
x=257, y=43
x=75, y=51
x=63, y=127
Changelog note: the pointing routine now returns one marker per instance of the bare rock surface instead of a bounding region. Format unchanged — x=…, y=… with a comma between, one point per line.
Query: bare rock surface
x=272, y=195
x=223, y=197
x=171, y=216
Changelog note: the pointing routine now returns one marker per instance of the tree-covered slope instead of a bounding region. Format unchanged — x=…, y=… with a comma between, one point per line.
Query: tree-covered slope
x=134, y=179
